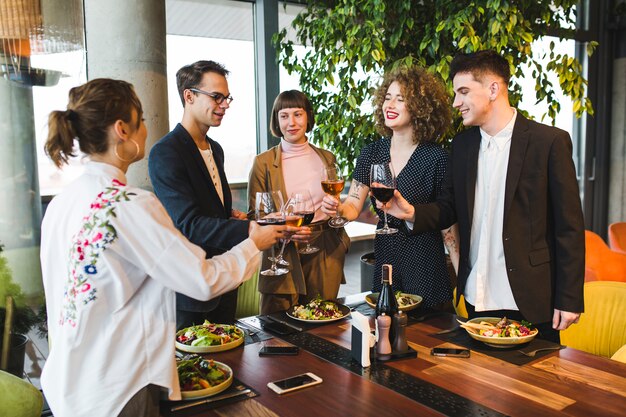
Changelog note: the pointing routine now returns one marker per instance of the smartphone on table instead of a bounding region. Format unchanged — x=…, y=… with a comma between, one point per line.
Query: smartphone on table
x=453, y=352
x=294, y=383
x=278, y=350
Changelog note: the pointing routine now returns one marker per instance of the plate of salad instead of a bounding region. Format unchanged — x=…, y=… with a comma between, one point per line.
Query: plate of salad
x=318, y=310
x=406, y=302
x=199, y=377
x=500, y=332
x=209, y=337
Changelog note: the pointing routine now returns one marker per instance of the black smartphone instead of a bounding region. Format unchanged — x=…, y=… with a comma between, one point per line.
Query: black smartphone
x=277, y=328
x=454, y=352
x=278, y=350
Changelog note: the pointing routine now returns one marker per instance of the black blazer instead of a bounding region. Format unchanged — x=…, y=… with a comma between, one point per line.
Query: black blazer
x=182, y=182
x=543, y=231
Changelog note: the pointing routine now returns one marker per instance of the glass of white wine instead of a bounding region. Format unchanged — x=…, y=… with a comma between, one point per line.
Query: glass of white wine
x=332, y=184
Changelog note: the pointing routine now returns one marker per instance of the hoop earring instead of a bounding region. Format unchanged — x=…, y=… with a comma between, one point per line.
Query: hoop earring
x=134, y=156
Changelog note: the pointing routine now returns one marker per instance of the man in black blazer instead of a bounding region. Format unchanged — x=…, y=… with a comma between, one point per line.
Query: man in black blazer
x=187, y=172
x=511, y=186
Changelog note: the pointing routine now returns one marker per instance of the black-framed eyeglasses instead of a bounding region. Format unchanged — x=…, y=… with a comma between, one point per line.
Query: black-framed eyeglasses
x=218, y=97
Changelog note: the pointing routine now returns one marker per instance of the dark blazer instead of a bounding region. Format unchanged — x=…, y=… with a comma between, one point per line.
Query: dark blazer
x=182, y=182
x=543, y=231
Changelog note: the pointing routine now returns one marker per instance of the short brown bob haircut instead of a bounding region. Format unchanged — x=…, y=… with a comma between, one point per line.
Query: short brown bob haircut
x=426, y=99
x=291, y=99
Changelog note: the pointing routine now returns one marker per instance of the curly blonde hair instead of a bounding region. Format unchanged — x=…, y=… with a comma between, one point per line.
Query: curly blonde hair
x=425, y=98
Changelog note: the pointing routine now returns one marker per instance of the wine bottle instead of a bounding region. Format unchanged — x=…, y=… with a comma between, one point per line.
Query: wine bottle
x=386, y=299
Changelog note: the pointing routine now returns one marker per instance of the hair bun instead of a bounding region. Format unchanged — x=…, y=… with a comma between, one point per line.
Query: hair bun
x=71, y=115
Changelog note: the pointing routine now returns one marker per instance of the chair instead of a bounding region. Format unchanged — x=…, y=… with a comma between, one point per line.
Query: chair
x=601, y=329
x=459, y=308
x=602, y=263
x=620, y=355
x=248, y=298
x=19, y=398
x=617, y=237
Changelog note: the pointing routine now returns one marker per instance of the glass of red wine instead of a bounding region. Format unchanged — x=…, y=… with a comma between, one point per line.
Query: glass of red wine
x=382, y=185
x=267, y=212
x=305, y=207
x=332, y=184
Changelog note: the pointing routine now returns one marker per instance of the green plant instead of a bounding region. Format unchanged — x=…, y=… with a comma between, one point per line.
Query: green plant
x=24, y=317
x=352, y=43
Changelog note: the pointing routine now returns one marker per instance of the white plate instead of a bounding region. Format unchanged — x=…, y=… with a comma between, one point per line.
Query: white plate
x=209, y=349
x=208, y=392
x=345, y=311
x=372, y=299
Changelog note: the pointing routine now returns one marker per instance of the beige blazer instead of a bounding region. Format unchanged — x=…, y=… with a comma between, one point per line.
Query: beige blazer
x=308, y=274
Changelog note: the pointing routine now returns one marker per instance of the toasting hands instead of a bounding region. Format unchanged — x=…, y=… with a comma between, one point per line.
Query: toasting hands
x=398, y=207
x=264, y=237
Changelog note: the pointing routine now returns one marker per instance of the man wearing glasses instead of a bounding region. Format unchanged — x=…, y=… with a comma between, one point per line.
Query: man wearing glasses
x=187, y=172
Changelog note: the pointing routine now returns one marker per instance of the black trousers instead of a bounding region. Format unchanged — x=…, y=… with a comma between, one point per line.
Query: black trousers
x=224, y=312
x=546, y=331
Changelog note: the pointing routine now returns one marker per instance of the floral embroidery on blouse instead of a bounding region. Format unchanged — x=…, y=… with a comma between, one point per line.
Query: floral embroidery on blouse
x=92, y=239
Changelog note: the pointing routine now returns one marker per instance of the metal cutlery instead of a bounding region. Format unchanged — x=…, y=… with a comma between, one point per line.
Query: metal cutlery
x=212, y=399
x=532, y=353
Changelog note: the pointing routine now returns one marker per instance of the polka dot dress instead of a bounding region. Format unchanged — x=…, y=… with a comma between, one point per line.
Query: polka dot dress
x=418, y=261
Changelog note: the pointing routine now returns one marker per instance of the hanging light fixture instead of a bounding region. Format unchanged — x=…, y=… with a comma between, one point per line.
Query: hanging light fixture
x=31, y=27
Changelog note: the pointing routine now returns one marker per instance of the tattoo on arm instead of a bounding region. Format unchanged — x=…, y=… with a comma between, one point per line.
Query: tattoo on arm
x=450, y=241
x=355, y=189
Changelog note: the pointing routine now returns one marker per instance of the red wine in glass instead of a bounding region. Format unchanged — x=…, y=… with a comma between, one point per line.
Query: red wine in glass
x=382, y=194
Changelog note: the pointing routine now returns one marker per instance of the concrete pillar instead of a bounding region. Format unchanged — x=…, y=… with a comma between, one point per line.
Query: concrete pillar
x=617, y=184
x=267, y=79
x=126, y=40
x=20, y=203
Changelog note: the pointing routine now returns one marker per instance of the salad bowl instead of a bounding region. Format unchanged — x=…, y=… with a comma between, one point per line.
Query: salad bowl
x=209, y=338
x=212, y=390
x=472, y=328
x=406, y=302
x=319, y=311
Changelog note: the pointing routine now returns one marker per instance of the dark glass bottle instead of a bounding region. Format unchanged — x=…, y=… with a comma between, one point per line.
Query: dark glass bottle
x=387, y=300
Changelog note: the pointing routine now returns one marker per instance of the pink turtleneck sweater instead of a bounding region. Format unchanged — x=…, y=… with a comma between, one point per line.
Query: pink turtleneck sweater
x=302, y=170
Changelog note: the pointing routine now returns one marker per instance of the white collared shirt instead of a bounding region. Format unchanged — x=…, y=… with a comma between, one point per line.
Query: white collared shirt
x=211, y=166
x=112, y=260
x=487, y=286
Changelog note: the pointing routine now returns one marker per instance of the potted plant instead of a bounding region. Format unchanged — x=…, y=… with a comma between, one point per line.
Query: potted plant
x=353, y=42
x=23, y=320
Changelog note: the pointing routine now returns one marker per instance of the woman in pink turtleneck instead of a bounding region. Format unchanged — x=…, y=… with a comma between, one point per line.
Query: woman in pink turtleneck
x=292, y=166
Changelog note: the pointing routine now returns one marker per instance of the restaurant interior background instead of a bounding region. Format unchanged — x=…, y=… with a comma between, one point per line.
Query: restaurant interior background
x=146, y=41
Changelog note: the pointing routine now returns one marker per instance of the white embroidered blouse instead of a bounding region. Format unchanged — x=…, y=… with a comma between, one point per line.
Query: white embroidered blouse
x=112, y=260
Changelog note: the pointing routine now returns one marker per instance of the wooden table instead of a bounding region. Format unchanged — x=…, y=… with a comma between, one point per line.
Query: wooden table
x=568, y=382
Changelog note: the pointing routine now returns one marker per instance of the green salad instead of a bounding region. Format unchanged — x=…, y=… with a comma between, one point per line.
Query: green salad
x=196, y=373
x=209, y=334
x=317, y=309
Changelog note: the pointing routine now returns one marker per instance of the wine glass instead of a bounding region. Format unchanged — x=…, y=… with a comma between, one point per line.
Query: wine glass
x=305, y=206
x=382, y=185
x=266, y=213
x=291, y=211
x=332, y=184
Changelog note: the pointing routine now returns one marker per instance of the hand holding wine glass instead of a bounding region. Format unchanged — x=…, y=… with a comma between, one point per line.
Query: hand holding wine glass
x=304, y=206
x=382, y=186
x=293, y=218
x=332, y=184
x=266, y=213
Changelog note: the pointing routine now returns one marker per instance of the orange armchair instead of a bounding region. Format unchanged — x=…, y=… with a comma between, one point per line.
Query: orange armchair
x=602, y=263
x=617, y=237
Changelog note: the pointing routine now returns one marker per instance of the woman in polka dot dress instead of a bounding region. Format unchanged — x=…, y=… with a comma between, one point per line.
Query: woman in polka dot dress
x=412, y=113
